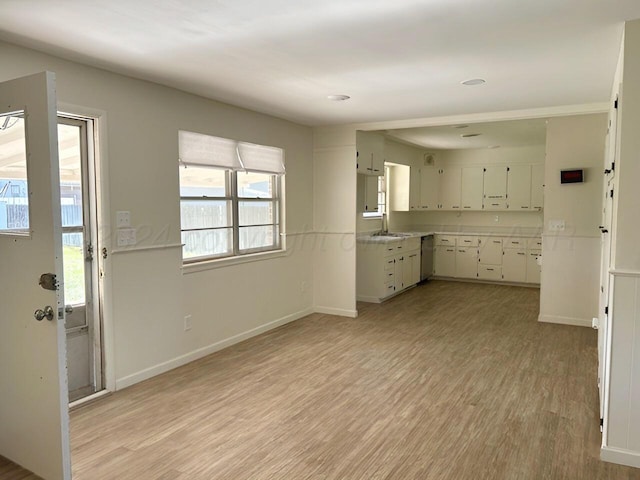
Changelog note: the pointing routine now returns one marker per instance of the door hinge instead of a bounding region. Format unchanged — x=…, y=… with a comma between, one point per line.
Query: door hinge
x=615, y=103
x=611, y=193
x=89, y=256
x=613, y=166
x=606, y=310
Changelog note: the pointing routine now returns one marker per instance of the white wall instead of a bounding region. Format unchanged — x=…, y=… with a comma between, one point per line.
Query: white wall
x=622, y=420
x=150, y=295
x=571, y=258
x=334, y=200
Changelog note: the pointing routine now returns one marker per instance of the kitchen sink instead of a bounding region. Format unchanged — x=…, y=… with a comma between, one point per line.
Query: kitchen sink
x=391, y=234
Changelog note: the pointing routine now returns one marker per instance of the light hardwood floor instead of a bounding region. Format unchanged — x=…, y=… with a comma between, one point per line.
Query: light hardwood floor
x=447, y=381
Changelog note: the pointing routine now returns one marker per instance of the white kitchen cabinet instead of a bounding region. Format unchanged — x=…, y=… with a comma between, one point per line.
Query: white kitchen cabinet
x=472, y=188
x=490, y=272
x=495, y=188
x=370, y=193
x=533, y=269
x=444, y=261
x=404, y=188
x=490, y=250
x=450, y=188
x=466, y=262
x=519, y=188
x=411, y=268
x=514, y=265
x=429, y=188
x=386, y=268
x=537, y=186
x=490, y=258
x=370, y=153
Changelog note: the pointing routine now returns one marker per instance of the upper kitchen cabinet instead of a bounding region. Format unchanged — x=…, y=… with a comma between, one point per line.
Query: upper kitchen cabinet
x=472, y=188
x=495, y=188
x=370, y=153
x=537, y=186
x=370, y=193
x=519, y=188
x=404, y=188
x=450, y=188
x=429, y=178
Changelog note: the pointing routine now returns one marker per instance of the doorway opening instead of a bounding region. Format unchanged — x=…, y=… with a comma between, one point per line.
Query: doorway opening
x=78, y=201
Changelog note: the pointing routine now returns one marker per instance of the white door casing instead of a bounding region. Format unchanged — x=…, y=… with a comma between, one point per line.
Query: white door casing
x=33, y=381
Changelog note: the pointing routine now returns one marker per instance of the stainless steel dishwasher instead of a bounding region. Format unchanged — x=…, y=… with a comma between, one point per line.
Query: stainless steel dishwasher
x=426, y=265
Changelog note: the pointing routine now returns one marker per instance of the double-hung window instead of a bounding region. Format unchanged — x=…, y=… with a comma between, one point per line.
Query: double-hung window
x=230, y=197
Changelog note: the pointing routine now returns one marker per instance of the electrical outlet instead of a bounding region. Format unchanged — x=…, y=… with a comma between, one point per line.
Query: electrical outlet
x=556, y=225
x=187, y=323
x=496, y=218
x=123, y=219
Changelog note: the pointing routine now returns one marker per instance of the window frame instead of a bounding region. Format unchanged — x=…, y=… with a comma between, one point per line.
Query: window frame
x=231, y=182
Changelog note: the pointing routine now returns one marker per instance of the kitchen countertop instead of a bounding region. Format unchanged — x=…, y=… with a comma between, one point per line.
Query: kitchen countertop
x=398, y=236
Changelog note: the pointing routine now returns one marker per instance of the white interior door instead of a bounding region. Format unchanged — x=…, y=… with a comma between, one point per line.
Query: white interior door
x=34, y=416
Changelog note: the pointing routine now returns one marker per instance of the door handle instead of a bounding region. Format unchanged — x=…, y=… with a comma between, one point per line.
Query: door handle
x=68, y=309
x=47, y=313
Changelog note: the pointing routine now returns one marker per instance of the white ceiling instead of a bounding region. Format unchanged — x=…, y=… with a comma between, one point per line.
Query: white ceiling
x=515, y=133
x=397, y=59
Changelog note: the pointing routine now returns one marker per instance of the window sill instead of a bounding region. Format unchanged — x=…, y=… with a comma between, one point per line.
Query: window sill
x=213, y=264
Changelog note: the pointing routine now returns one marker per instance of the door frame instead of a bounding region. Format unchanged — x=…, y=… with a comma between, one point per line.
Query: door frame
x=98, y=175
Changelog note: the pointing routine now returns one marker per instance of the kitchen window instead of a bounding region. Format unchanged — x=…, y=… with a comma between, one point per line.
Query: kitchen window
x=230, y=197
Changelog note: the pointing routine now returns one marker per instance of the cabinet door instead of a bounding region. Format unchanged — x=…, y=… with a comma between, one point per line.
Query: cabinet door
x=490, y=272
x=472, y=188
x=371, y=194
x=363, y=152
x=445, y=261
x=408, y=272
x=414, y=188
x=519, y=188
x=415, y=267
x=450, y=184
x=533, y=269
x=399, y=272
x=495, y=188
x=429, y=188
x=514, y=265
x=537, y=186
x=377, y=154
x=399, y=185
x=490, y=250
x=466, y=262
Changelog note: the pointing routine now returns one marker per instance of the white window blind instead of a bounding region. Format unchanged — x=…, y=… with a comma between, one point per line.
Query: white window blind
x=207, y=150
x=259, y=158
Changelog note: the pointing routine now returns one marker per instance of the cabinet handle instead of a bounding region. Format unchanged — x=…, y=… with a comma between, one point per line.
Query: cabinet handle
x=466, y=207
x=524, y=207
x=455, y=206
x=496, y=241
x=515, y=243
x=490, y=269
x=520, y=253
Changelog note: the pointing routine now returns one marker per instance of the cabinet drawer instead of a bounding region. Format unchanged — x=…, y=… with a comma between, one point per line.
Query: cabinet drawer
x=467, y=241
x=391, y=248
x=534, y=243
x=389, y=265
x=490, y=272
x=446, y=240
x=515, y=243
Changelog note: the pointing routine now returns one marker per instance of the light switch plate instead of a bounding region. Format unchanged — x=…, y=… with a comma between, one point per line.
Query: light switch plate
x=126, y=237
x=123, y=219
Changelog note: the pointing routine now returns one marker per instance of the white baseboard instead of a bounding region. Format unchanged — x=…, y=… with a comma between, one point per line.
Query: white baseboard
x=578, y=322
x=364, y=298
x=204, y=351
x=619, y=456
x=336, y=311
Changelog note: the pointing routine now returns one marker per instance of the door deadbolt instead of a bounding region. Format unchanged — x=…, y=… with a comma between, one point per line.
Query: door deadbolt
x=47, y=313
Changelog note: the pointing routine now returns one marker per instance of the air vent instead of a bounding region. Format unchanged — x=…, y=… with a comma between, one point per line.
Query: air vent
x=429, y=159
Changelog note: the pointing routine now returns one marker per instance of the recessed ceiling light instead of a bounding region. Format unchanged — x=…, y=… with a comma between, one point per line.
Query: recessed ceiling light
x=474, y=81
x=338, y=98
x=469, y=135
x=460, y=126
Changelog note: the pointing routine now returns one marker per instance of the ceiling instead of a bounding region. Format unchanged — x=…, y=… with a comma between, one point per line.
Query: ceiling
x=397, y=60
x=514, y=133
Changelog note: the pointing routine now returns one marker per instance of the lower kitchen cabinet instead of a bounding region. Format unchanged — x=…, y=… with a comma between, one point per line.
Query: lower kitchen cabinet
x=386, y=268
x=514, y=265
x=445, y=261
x=533, y=269
x=466, y=262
